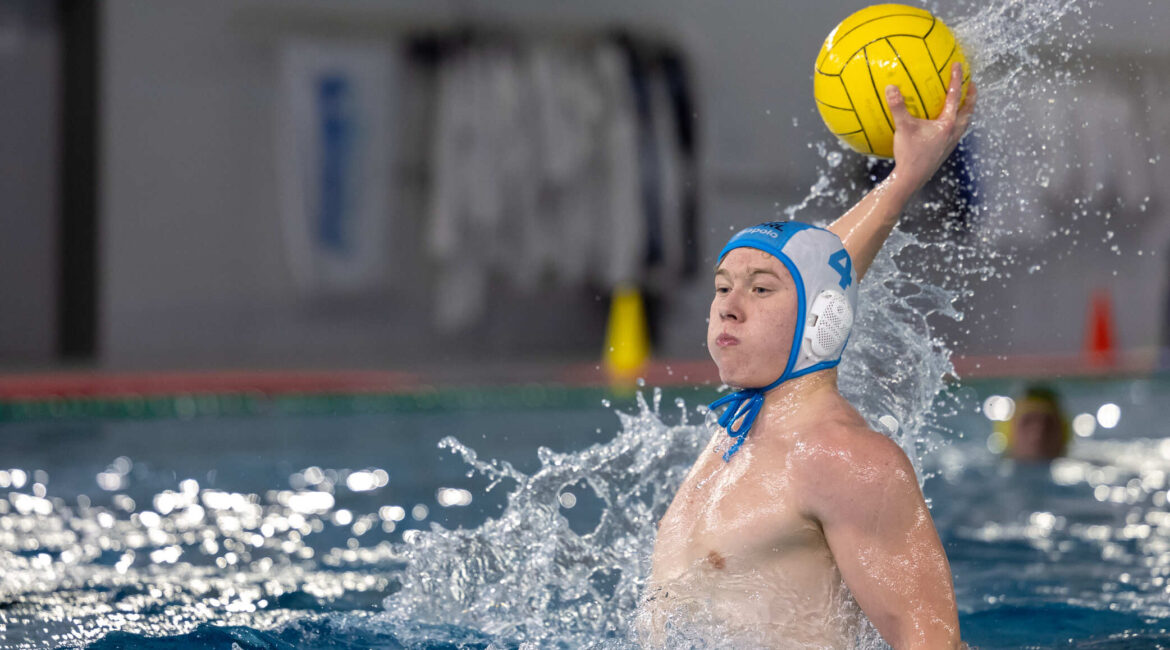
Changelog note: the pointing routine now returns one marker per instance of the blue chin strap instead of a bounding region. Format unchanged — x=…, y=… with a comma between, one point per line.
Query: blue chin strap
x=745, y=404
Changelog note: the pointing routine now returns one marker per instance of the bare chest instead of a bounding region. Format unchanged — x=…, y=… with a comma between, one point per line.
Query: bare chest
x=741, y=514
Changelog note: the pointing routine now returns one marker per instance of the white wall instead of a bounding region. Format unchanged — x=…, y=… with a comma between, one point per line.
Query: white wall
x=193, y=272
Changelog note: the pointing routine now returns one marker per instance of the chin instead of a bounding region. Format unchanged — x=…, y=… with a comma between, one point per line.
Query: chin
x=732, y=378
x=747, y=377
x=728, y=372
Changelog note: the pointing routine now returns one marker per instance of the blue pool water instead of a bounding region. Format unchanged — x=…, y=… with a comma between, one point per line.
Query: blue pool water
x=285, y=531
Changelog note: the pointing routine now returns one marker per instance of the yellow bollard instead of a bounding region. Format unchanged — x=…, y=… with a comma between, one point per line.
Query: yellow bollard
x=627, y=337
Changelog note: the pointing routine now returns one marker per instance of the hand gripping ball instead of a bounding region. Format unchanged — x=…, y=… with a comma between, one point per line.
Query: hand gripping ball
x=873, y=48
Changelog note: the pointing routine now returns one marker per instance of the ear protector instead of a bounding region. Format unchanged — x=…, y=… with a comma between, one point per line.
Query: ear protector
x=830, y=319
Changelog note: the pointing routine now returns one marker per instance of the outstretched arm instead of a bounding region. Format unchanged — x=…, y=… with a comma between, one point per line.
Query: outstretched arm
x=920, y=147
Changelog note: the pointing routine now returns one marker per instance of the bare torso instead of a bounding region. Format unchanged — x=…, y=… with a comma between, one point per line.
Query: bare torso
x=736, y=549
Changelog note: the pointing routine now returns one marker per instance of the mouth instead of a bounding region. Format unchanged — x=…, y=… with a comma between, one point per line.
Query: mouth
x=725, y=340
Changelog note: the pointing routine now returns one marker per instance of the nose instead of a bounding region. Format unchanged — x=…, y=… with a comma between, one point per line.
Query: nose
x=731, y=308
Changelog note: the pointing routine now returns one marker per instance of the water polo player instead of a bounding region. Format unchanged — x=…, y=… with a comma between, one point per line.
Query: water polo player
x=798, y=514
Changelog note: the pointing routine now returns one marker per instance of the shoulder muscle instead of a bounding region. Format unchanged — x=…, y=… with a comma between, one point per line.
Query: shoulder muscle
x=852, y=472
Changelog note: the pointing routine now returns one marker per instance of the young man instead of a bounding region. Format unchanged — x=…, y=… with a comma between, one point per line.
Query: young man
x=803, y=508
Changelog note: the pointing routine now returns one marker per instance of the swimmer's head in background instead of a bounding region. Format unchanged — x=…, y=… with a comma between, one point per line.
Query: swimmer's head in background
x=1038, y=429
x=826, y=287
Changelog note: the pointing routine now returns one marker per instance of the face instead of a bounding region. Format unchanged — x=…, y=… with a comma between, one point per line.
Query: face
x=753, y=318
x=1037, y=435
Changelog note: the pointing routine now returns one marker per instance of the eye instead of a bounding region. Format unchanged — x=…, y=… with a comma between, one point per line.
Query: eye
x=722, y=290
x=761, y=291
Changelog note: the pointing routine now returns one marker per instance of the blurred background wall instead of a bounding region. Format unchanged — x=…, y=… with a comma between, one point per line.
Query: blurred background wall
x=191, y=258
x=30, y=85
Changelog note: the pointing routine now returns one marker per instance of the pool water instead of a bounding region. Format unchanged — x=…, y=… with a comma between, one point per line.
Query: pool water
x=1071, y=554
x=157, y=525
x=283, y=531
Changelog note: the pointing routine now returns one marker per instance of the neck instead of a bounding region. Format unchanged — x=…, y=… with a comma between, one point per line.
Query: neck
x=786, y=402
x=795, y=397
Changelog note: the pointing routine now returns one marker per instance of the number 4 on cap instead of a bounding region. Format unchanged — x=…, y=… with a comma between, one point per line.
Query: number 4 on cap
x=841, y=263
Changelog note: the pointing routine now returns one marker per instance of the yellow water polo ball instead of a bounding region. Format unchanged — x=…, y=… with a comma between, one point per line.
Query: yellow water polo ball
x=871, y=49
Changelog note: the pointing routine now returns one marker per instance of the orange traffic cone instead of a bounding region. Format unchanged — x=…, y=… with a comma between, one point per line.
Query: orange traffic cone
x=1099, y=344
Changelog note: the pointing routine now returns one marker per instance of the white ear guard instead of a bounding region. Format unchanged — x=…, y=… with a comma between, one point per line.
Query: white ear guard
x=829, y=321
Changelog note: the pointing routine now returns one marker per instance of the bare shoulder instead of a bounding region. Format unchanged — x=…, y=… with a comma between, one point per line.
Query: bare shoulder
x=848, y=467
x=844, y=442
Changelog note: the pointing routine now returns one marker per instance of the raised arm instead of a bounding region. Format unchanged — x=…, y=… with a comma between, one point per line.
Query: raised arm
x=920, y=147
x=884, y=543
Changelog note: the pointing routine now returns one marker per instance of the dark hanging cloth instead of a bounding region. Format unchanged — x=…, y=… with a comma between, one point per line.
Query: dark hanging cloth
x=640, y=66
x=650, y=63
x=678, y=83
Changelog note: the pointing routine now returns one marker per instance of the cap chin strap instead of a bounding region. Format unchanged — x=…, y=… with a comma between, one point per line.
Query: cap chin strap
x=745, y=404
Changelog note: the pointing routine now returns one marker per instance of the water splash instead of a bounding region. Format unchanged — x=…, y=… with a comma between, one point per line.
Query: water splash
x=1007, y=204
x=1022, y=54
x=528, y=576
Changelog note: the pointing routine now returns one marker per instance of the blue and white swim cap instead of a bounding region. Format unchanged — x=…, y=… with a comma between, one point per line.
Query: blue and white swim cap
x=826, y=287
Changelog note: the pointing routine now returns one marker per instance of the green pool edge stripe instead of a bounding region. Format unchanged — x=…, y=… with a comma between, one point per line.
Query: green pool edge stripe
x=426, y=399
x=188, y=406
